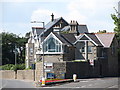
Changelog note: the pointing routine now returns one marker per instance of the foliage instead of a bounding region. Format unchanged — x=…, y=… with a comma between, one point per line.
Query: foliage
x=13, y=67
x=28, y=68
x=117, y=31
x=117, y=26
x=27, y=35
x=102, y=31
x=64, y=32
x=9, y=41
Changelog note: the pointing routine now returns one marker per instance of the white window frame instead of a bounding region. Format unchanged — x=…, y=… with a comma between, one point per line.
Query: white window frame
x=51, y=35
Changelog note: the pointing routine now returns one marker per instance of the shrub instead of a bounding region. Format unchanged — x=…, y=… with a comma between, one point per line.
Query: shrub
x=13, y=67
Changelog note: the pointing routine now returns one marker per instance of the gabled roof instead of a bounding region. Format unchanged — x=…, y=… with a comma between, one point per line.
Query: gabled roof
x=91, y=37
x=59, y=36
x=82, y=29
x=50, y=25
x=94, y=38
x=105, y=38
x=69, y=37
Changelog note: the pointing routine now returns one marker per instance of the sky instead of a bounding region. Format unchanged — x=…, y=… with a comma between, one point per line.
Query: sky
x=17, y=15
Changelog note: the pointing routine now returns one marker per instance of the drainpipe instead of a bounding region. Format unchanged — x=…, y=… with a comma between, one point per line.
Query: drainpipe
x=86, y=50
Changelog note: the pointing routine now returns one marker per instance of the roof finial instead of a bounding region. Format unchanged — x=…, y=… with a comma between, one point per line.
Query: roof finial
x=52, y=17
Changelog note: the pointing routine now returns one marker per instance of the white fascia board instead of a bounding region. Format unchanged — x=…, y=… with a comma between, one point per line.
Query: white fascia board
x=78, y=39
x=85, y=40
x=91, y=40
x=100, y=40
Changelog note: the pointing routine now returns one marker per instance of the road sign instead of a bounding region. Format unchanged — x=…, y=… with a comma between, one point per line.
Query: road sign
x=92, y=62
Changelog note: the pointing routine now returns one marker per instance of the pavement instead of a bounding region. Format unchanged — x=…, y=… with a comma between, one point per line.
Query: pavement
x=89, y=83
x=81, y=83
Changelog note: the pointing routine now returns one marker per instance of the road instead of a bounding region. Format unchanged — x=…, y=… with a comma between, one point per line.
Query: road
x=83, y=83
x=4, y=83
x=90, y=83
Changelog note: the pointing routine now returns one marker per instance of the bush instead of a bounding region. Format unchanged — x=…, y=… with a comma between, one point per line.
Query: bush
x=13, y=67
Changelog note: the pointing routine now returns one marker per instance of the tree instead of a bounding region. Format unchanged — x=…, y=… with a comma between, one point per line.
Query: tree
x=9, y=41
x=102, y=31
x=117, y=25
x=117, y=31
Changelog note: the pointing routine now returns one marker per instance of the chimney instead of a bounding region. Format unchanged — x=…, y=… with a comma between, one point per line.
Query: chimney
x=52, y=17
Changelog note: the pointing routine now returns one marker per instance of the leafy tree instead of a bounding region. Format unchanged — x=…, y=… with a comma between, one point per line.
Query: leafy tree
x=9, y=41
x=117, y=25
x=27, y=35
x=116, y=19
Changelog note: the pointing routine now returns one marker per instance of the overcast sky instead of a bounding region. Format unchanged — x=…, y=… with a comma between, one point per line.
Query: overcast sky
x=17, y=14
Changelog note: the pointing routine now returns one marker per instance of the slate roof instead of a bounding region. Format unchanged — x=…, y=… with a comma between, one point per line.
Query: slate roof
x=59, y=36
x=82, y=29
x=66, y=28
x=51, y=23
x=101, y=39
x=69, y=37
x=94, y=38
x=105, y=38
x=38, y=30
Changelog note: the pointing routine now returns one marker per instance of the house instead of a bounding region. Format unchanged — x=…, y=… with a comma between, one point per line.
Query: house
x=61, y=41
x=101, y=47
x=55, y=28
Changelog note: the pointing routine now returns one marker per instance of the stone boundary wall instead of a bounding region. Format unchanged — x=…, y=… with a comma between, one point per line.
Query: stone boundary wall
x=38, y=71
x=59, y=69
x=7, y=74
x=26, y=75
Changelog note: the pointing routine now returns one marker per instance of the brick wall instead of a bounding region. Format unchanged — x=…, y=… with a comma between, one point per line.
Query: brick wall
x=26, y=74
x=8, y=74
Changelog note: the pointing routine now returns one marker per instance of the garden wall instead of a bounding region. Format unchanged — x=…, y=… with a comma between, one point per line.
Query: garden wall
x=7, y=74
x=26, y=75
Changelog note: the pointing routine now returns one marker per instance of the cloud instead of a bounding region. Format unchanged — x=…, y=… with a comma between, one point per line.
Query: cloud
x=19, y=28
x=80, y=10
x=43, y=15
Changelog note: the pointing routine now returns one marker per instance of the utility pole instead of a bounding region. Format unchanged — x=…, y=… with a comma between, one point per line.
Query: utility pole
x=43, y=76
x=15, y=54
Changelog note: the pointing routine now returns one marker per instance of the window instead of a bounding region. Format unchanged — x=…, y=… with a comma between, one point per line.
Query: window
x=52, y=45
x=89, y=48
x=82, y=49
x=31, y=51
